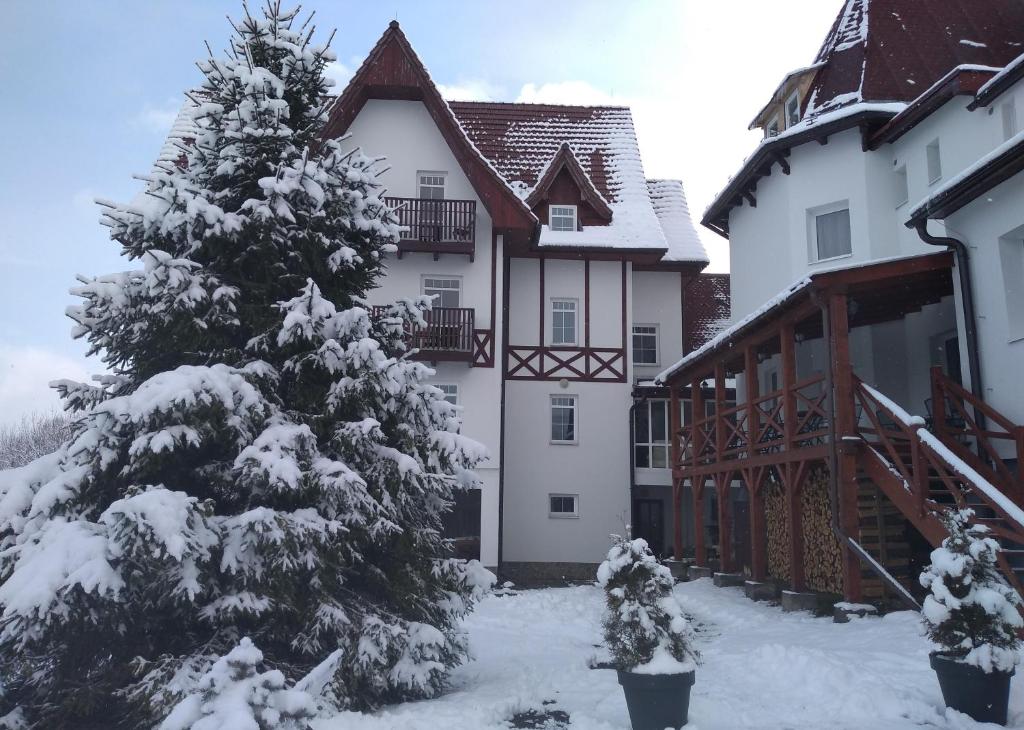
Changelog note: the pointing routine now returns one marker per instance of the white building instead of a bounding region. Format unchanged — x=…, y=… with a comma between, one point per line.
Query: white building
x=887, y=179
x=559, y=271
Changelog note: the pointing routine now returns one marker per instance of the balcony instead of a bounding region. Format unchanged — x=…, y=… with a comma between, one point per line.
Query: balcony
x=436, y=226
x=448, y=335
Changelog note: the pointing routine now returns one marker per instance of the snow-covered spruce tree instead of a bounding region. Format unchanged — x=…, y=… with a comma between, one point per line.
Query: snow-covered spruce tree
x=970, y=611
x=644, y=626
x=263, y=460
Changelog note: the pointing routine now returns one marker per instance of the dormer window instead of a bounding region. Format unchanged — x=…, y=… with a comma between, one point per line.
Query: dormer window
x=792, y=109
x=562, y=218
x=772, y=130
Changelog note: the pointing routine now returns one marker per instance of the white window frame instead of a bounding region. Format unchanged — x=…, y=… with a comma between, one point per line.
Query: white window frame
x=1008, y=118
x=449, y=390
x=424, y=278
x=812, y=231
x=574, y=515
x=552, y=216
x=575, y=320
x=902, y=187
x=933, y=161
x=575, y=407
x=651, y=444
x=420, y=174
x=795, y=98
x=771, y=129
x=657, y=343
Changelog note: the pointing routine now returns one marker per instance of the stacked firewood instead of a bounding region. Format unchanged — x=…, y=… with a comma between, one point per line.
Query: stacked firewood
x=777, y=527
x=823, y=566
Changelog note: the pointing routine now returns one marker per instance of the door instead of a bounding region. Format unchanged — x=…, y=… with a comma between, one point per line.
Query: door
x=462, y=524
x=650, y=523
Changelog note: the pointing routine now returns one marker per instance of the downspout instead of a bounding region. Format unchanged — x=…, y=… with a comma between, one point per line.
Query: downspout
x=959, y=249
x=833, y=477
x=632, y=464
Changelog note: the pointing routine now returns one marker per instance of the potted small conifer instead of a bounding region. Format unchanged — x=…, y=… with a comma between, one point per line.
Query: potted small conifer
x=972, y=614
x=649, y=638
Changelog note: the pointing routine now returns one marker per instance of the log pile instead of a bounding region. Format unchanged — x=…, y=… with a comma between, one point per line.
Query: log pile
x=777, y=527
x=823, y=566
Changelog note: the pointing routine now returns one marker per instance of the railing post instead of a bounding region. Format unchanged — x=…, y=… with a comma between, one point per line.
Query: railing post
x=677, y=461
x=697, y=399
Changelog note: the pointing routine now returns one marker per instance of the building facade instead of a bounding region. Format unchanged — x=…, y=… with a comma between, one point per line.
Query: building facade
x=560, y=276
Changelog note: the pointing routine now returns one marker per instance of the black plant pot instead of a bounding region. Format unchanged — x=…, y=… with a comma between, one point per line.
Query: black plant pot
x=657, y=701
x=967, y=689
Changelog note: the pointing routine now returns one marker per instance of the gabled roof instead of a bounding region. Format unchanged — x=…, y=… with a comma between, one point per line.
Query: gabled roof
x=565, y=159
x=669, y=201
x=892, y=50
x=520, y=140
x=392, y=70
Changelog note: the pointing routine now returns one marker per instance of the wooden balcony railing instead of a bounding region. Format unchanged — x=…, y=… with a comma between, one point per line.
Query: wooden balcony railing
x=448, y=334
x=435, y=226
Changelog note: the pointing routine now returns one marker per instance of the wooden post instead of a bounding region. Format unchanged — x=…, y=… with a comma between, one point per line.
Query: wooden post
x=845, y=415
x=721, y=441
x=752, y=385
x=790, y=471
x=723, y=488
x=758, y=548
x=700, y=552
x=677, y=462
x=697, y=401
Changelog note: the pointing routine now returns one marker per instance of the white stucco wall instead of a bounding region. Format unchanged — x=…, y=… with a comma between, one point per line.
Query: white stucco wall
x=657, y=300
x=404, y=131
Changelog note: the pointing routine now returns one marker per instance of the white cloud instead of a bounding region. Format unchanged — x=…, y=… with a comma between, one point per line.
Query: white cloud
x=25, y=374
x=565, y=92
x=158, y=118
x=339, y=73
x=469, y=90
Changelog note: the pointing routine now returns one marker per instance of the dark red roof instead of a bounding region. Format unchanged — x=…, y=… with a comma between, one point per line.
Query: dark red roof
x=521, y=139
x=893, y=50
x=706, y=309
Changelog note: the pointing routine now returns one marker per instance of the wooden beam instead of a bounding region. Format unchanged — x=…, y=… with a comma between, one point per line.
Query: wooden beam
x=677, y=487
x=844, y=413
x=787, y=341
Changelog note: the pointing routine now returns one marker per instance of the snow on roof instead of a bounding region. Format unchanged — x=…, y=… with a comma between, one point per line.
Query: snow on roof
x=520, y=140
x=920, y=209
x=1012, y=66
x=669, y=201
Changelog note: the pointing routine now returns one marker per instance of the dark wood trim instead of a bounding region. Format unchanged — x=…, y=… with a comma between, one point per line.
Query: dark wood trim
x=587, y=364
x=586, y=303
x=543, y=303
x=625, y=342
x=564, y=159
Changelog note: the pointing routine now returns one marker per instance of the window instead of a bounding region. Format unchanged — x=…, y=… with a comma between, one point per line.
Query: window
x=830, y=232
x=446, y=290
x=563, y=321
x=562, y=217
x=934, y=161
x=772, y=129
x=645, y=344
x=563, y=505
x=563, y=419
x=1009, y=114
x=431, y=185
x=900, y=191
x=650, y=435
x=451, y=392
x=792, y=109
x=1011, y=254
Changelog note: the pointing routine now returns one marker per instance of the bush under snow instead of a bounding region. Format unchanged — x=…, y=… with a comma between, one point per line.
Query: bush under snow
x=970, y=611
x=644, y=626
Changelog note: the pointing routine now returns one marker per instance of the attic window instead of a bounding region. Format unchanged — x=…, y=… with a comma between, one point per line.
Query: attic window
x=772, y=129
x=562, y=218
x=792, y=109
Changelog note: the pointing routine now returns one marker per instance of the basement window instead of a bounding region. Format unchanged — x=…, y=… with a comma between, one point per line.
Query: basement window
x=564, y=505
x=562, y=218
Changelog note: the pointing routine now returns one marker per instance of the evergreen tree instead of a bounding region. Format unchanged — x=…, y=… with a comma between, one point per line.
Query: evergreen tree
x=644, y=626
x=263, y=460
x=970, y=611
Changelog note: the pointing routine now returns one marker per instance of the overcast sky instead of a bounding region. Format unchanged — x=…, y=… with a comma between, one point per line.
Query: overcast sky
x=90, y=89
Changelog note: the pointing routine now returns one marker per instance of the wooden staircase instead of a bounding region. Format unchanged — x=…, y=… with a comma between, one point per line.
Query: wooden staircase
x=924, y=473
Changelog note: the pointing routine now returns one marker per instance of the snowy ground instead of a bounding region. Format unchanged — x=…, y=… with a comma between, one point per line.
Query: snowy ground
x=761, y=668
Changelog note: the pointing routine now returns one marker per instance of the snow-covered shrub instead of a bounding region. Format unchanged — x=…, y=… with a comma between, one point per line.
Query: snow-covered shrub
x=970, y=611
x=644, y=626
x=234, y=694
x=264, y=459
x=31, y=437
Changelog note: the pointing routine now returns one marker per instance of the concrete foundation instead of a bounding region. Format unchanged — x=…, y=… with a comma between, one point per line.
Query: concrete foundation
x=841, y=612
x=728, y=580
x=757, y=591
x=679, y=569
x=792, y=601
x=698, y=571
x=544, y=575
